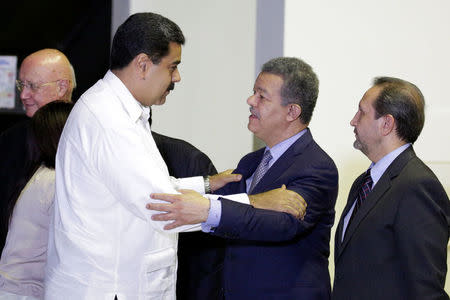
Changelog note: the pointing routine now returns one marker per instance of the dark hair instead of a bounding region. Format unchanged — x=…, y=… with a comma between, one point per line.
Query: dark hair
x=147, y=33
x=47, y=125
x=405, y=102
x=42, y=141
x=300, y=83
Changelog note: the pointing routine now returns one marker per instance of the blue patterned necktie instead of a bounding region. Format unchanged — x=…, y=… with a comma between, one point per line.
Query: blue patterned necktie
x=363, y=192
x=261, y=170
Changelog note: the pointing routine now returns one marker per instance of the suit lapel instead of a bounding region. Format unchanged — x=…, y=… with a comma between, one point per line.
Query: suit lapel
x=283, y=163
x=250, y=163
x=247, y=167
x=351, y=198
x=382, y=186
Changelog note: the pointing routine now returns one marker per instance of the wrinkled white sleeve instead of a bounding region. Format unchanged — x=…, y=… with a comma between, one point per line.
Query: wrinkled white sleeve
x=190, y=183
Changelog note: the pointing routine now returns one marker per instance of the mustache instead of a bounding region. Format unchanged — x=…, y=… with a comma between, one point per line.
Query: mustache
x=254, y=112
x=171, y=87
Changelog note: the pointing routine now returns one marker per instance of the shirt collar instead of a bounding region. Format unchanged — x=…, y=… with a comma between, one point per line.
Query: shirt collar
x=133, y=107
x=278, y=150
x=380, y=167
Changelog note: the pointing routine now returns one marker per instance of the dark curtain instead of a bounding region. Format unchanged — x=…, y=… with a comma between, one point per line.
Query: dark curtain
x=81, y=29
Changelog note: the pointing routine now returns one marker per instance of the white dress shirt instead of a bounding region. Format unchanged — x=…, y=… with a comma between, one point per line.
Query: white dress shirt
x=102, y=241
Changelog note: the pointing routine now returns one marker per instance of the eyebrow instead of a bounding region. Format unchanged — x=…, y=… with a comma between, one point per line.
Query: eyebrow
x=259, y=89
x=177, y=62
x=361, y=108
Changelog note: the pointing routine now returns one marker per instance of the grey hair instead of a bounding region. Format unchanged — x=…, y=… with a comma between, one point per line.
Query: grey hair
x=300, y=83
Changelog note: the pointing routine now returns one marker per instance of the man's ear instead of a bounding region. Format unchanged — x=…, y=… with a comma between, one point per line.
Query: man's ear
x=141, y=63
x=294, y=112
x=63, y=86
x=388, y=124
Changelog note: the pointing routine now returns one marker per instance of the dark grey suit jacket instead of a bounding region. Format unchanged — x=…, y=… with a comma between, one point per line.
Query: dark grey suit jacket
x=200, y=255
x=396, y=245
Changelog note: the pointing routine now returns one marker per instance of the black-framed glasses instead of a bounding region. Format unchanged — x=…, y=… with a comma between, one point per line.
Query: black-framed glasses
x=21, y=85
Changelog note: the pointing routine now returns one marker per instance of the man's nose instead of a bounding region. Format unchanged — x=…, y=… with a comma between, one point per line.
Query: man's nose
x=353, y=121
x=176, y=77
x=25, y=93
x=251, y=100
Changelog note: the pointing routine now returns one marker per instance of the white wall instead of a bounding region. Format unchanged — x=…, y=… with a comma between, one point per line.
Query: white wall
x=350, y=42
x=208, y=107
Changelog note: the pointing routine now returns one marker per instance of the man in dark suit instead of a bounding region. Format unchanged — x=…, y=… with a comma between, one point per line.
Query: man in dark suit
x=269, y=254
x=200, y=256
x=44, y=76
x=391, y=241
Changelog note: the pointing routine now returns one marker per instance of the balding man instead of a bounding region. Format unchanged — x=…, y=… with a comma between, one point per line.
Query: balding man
x=44, y=76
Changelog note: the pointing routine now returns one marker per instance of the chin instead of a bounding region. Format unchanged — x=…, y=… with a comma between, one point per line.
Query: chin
x=251, y=128
x=30, y=112
x=161, y=101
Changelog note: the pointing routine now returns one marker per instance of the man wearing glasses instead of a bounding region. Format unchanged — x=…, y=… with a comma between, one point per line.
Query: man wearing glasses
x=44, y=76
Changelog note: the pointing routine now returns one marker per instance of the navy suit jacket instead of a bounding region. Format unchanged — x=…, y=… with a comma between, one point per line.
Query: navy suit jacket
x=273, y=255
x=396, y=245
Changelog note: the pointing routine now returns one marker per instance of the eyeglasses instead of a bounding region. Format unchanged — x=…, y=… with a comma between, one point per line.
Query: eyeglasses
x=21, y=85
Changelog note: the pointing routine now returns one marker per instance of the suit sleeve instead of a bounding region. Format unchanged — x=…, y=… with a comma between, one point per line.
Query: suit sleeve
x=201, y=165
x=182, y=158
x=317, y=186
x=421, y=232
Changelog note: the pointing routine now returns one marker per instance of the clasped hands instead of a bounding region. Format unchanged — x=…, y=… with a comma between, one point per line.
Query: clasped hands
x=190, y=207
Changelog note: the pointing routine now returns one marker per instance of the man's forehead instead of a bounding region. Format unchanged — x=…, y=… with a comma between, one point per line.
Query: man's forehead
x=370, y=95
x=174, y=55
x=258, y=85
x=33, y=71
x=266, y=81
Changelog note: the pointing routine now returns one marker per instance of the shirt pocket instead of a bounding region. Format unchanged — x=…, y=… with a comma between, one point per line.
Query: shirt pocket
x=159, y=270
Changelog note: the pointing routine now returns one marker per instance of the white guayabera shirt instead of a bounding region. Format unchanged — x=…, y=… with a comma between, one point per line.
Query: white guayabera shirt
x=102, y=241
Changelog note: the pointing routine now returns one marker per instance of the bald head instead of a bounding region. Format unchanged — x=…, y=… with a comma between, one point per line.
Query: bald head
x=46, y=76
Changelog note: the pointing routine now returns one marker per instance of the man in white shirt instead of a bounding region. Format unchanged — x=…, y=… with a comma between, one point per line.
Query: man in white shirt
x=102, y=243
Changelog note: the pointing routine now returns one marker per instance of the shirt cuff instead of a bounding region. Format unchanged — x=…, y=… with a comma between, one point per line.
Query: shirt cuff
x=241, y=198
x=196, y=183
x=215, y=212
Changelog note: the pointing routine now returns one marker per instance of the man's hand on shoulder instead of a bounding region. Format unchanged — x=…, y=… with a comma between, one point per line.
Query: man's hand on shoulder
x=281, y=200
x=189, y=207
x=219, y=180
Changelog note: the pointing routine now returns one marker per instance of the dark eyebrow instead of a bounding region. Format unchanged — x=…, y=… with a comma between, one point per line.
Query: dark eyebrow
x=259, y=89
x=263, y=91
x=177, y=62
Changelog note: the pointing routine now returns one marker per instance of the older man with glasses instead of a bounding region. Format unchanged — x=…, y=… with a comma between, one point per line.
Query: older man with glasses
x=44, y=76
